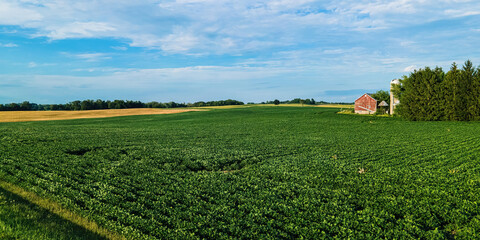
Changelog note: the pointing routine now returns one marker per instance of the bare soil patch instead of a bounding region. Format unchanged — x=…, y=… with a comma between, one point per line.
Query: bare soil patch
x=26, y=116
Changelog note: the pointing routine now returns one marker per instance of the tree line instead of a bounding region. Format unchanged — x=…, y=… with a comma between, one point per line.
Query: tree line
x=116, y=104
x=433, y=95
x=306, y=101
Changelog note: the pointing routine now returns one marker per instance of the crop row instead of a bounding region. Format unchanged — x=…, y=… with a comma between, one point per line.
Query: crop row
x=265, y=172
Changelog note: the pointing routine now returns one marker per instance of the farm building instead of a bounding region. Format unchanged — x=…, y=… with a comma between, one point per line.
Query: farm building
x=365, y=104
x=393, y=100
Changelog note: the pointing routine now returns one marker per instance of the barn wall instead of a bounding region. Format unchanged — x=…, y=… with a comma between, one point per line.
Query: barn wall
x=365, y=102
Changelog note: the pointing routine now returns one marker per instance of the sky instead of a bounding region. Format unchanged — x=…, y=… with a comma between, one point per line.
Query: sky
x=57, y=51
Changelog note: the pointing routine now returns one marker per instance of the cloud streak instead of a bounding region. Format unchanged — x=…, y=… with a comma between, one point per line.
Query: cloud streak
x=8, y=45
x=253, y=48
x=219, y=27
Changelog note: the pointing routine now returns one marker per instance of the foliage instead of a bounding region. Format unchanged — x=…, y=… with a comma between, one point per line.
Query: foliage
x=255, y=173
x=307, y=101
x=20, y=219
x=380, y=96
x=116, y=104
x=432, y=95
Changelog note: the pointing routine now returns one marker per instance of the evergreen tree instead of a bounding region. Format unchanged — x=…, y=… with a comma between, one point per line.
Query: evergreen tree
x=409, y=107
x=431, y=95
x=475, y=100
x=452, y=93
x=468, y=96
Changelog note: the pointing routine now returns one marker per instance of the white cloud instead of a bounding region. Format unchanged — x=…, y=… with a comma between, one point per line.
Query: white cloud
x=221, y=26
x=32, y=64
x=79, y=30
x=178, y=42
x=8, y=45
x=14, y=13
x=410, y=68
x=89, y=57
x=120, y=48
x=92, y=57
x=462, y=13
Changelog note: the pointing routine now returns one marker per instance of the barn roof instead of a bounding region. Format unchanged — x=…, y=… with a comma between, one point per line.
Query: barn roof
x=367, y=95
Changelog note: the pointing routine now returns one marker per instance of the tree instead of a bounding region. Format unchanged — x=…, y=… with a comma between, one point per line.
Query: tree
x=382, y=95
x=87, y=105
x=25, y=106
x=469, y=86
x=75, y=105
x=452, y=93
x=13, y=107
x=276, y=101
x=475, y=101
x=432, y=94
x=421, y=98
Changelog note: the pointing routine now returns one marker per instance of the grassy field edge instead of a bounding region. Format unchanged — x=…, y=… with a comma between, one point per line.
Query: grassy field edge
x=58, y=210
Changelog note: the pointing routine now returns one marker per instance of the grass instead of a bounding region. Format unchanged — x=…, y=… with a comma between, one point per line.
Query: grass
x=254, y=172
x=28, y=116
x=306, y=105
x=20, y=219
x=83, y=224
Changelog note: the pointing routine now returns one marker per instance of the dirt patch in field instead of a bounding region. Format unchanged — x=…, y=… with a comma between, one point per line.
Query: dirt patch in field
x=27, y=116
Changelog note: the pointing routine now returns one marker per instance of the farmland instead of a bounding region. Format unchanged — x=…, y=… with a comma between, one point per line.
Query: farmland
x=23, y=116
x=256, y=172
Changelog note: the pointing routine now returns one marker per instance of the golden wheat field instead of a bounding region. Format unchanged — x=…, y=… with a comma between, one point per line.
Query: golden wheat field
x=26, y=116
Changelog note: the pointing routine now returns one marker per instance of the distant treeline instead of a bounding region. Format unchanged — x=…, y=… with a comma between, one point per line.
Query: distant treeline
x=432, y=95
x=101, y=104
x=306, y=101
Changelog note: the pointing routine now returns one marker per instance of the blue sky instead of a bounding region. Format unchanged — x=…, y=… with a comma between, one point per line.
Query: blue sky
x=56, y=51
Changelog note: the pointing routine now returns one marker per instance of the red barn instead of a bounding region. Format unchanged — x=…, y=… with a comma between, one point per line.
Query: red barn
x=365, y=104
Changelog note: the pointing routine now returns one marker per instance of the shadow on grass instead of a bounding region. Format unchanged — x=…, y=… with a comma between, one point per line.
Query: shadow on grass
x=20, y=219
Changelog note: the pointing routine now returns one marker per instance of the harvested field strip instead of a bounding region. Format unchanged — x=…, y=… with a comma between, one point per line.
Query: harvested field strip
x=335, y=106
x=26, y=116
x=55, y=208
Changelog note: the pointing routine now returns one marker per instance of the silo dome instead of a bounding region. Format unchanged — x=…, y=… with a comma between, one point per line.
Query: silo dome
x=395, y=81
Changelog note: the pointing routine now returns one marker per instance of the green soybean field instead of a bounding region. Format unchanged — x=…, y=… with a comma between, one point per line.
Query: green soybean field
x=260, y=172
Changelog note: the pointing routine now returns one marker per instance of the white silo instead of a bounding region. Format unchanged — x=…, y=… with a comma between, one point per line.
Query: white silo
x=393, y=101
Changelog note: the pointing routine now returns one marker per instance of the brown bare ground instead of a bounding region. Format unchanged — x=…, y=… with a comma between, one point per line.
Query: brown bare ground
x=27, y=116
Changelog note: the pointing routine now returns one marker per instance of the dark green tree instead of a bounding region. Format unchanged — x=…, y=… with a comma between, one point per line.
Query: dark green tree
x=468, y=88
x=26, y=106
x=452, y=93
x=382, y=95
x=475, y=100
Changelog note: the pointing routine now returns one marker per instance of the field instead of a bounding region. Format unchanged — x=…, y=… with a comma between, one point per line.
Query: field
x=23, y=116
x=255, y=172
